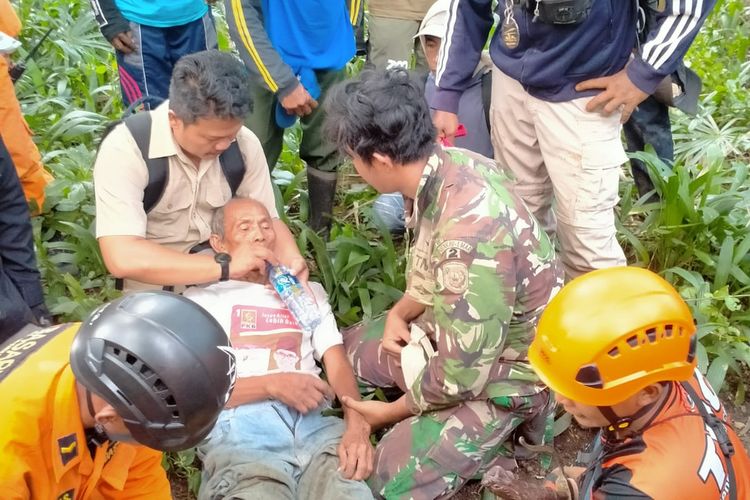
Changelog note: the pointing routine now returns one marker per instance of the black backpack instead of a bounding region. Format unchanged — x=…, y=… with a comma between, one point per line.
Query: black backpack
x=139, y=125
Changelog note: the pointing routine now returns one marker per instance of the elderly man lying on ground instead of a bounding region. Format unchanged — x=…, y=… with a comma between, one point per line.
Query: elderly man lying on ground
x=273, y=440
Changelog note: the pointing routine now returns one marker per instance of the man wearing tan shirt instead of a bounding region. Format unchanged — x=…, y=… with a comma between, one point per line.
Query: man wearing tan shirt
x=209, y=99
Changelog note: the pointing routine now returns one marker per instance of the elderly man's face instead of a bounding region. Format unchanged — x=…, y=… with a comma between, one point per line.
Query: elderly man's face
x=247, y=222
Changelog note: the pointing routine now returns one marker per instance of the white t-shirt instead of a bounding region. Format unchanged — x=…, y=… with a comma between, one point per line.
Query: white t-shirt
x=265, y=336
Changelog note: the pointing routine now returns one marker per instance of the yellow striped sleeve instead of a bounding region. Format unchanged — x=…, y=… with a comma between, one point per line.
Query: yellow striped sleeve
x=354, y=11
x=247, y=41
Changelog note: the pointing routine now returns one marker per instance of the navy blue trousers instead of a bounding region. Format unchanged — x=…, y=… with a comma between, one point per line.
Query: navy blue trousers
x=649, y=124
x=20, y=286
x=145, y=73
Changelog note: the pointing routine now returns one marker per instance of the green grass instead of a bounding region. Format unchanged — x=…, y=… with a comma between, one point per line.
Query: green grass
x=698, y=238
x=70, y=92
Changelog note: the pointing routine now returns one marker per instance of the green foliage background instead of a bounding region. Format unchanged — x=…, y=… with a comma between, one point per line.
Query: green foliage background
x=698, y=237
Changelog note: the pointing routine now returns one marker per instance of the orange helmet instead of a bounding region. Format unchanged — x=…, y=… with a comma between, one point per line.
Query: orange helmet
x=612, y=332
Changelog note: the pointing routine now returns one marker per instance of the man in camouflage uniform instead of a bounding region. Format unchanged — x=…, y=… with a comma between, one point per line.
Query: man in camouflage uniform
x=480, y=272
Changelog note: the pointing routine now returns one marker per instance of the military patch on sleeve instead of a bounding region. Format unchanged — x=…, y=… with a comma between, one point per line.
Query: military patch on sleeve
x=453, y=249
x=453, y=276
x=67, y=495
x=68, y=447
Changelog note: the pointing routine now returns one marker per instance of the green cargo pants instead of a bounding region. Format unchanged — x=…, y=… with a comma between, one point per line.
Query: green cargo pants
x=314, y=150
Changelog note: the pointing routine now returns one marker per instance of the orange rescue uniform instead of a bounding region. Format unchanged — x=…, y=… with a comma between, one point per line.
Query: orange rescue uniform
x=676, y=457
x=43, y=449
x=14, y=130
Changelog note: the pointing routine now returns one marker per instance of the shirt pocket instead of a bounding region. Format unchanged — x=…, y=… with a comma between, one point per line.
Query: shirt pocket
x=217, y=192
x=169, y=220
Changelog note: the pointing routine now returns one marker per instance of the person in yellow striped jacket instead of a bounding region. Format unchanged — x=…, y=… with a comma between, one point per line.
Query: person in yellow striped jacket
x=295, y=50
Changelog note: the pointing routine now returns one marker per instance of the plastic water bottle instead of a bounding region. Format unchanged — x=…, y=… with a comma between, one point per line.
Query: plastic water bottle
x=295, y=296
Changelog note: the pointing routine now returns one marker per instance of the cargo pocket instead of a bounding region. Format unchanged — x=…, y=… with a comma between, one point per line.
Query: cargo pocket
x=469, y=439
x=598, y=176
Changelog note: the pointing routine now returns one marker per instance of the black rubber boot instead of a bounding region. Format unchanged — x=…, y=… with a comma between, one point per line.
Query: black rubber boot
x=321, y=190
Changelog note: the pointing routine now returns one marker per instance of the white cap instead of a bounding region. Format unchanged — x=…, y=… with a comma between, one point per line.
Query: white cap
x=435, y=20
x=8, y=44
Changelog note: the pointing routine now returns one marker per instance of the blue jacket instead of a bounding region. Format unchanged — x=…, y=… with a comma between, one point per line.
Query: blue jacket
x=276, y=39
x=551, y=59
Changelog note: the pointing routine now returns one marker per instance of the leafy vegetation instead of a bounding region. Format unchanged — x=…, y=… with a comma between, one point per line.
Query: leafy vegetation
x=698, y=237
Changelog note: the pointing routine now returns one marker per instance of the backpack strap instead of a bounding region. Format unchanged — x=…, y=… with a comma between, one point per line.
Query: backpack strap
x=233, y=166
x=139, y=126
x=487, y=97
x=722, y=436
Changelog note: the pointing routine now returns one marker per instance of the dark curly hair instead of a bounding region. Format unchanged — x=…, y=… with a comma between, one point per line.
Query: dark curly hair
x=210, y=84
x=382, y=112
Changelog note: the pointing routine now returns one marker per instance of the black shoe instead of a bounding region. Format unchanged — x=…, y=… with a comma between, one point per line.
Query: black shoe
x=321, y=189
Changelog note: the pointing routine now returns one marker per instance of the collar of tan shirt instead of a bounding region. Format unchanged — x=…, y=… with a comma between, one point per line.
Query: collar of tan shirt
x=163, y=143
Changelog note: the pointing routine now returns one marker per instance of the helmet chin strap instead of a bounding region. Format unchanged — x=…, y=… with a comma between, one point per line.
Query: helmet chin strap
x=621, y=426
x=98, y=435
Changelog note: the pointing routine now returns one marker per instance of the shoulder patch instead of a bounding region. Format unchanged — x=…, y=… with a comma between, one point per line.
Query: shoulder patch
x=453, y=276
x=19, y=347
x=68, y=448
x=452, y=249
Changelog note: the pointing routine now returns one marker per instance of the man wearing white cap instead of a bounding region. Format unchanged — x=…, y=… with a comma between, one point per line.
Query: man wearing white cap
x=473, y=107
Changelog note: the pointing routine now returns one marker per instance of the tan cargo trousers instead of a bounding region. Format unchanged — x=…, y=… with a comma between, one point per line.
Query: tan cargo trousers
x=567, y=162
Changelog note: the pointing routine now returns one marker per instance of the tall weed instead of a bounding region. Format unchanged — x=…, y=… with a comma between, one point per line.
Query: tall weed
x=699, y=238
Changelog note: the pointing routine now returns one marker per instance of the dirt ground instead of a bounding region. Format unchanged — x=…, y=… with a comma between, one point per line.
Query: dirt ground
x=567, y=445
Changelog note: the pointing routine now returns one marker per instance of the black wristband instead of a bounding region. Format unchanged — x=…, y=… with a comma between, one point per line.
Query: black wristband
x=223, y=259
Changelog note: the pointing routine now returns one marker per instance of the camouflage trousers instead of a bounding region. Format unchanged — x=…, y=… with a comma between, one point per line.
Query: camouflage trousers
x=432, y=455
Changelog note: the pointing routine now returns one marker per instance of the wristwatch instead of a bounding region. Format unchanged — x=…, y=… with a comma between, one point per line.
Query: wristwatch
x=223, y=259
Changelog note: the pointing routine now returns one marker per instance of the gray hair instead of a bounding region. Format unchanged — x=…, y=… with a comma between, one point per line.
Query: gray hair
x=210, y=84
x=217, y=220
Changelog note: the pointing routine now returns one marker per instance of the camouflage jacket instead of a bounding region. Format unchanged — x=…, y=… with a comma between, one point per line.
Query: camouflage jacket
x=485, y=269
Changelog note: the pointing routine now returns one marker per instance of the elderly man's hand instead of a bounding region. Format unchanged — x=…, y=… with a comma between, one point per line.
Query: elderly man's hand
x=301, y=391
x=298, y=267
x=618, y=92
x=355, y=450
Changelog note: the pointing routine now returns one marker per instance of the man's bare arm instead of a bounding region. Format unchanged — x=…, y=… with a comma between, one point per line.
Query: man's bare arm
x=136, y=258
x=355, y=451
x=287, y=252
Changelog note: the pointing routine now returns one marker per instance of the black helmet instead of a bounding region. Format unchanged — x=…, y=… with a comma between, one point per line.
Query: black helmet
x=162, y=361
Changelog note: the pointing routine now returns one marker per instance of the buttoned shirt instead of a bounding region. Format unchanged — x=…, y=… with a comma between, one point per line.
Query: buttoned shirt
x=182, y=217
